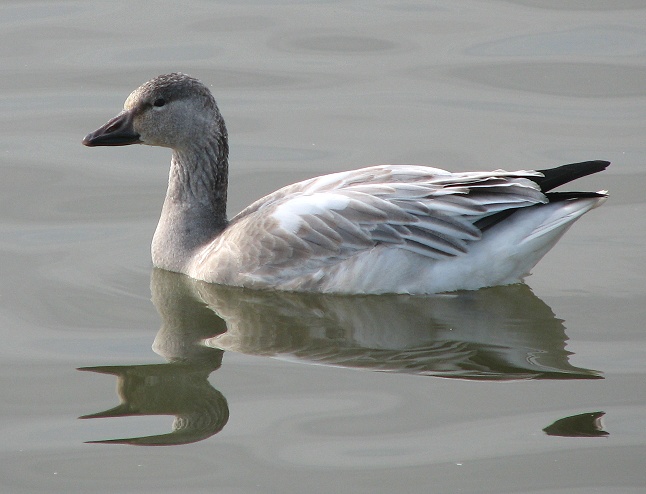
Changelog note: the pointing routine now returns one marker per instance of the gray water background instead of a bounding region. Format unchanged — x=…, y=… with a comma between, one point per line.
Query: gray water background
x=308, y=88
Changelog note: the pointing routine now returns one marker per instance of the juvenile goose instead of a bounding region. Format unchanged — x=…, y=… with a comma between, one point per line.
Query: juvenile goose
x=388, y=228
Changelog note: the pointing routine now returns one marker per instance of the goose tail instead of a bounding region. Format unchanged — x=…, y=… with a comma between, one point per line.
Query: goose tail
x=555, y=177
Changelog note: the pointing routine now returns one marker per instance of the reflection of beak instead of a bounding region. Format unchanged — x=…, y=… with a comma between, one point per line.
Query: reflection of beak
x=119, y=131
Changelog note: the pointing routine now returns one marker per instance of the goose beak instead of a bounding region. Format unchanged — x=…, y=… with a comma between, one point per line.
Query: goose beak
x=119, y=131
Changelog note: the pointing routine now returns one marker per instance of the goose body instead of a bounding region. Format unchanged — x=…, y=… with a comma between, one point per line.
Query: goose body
x=381, y=229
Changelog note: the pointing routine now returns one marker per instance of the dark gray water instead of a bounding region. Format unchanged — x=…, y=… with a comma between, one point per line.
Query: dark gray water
x=496, y=391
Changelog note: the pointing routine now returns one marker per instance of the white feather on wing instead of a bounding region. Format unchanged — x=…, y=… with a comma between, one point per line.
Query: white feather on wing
x=424, y=210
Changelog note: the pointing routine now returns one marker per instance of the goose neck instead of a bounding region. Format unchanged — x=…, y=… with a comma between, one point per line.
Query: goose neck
x=194, y=210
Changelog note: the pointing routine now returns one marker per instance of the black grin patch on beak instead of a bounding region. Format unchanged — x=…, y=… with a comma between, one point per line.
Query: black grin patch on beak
x=118, y=131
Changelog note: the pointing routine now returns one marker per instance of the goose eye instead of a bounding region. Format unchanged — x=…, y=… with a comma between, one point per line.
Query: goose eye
x=159, y=102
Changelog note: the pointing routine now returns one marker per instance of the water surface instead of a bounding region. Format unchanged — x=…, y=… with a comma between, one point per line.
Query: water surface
x=536, y=388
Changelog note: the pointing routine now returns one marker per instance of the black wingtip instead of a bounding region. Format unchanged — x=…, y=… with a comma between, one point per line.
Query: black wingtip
x=560, y=175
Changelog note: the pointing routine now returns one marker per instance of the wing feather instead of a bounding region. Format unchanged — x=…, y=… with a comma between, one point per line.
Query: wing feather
x=431, y=212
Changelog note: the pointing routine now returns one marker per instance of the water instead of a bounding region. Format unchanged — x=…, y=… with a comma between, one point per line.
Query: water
x=504, y=390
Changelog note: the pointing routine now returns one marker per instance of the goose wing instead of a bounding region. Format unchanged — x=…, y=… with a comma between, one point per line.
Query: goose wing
x=425, y=210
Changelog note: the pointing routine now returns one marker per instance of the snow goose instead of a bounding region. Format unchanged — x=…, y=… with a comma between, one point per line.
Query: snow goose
x=381, y=229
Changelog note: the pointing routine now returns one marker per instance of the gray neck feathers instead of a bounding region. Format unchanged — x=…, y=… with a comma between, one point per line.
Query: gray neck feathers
x=194, y=210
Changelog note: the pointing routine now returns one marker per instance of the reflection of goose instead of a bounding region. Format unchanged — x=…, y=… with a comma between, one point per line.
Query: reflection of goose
x=496, y=333
x=397, y=229
x=167, y=389
x=181, y=387
x=492, y=334
x=581, y=425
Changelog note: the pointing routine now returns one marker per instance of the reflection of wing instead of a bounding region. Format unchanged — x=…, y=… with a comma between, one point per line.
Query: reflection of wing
x=311, y=225
x=498, y=333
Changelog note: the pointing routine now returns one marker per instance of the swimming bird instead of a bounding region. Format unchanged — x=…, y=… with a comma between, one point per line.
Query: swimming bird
x=381, y=229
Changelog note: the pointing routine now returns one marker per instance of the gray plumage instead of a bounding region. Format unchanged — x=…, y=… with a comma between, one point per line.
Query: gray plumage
x=387, y=228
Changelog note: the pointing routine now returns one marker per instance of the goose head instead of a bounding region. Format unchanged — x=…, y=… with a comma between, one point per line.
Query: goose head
x=172, y=110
